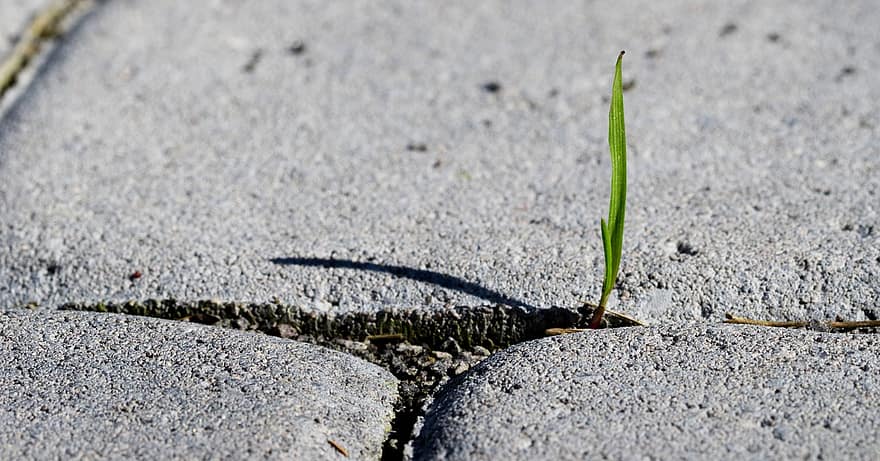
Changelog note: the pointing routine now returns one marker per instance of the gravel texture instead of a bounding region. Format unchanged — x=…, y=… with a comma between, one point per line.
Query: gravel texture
x=362, y=156
x=85, y=385
x=672, y=392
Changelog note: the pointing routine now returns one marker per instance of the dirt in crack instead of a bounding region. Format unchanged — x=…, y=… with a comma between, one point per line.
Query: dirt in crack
x=422, y=348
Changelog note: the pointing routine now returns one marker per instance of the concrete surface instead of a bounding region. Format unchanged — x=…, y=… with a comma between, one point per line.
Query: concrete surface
x=198, y=145
x=100, y=386
x=14, y=18
x=671, y=392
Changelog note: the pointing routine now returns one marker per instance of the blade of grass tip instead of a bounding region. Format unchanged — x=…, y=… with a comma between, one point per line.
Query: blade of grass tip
x=612, y=232
x=617, y=144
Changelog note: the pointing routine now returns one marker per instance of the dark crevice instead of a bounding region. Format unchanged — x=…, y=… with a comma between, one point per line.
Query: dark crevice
x=422, y=348
x=728, y=29
x=297, y=48
x=686, y=248
x=251, y=65
x=491, y=87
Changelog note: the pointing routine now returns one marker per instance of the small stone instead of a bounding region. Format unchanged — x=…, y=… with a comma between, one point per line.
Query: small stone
x=442, y=355
x=285, y=330
x=353, y=346
x=783, y=433
x=481, y=351
x=410, y=350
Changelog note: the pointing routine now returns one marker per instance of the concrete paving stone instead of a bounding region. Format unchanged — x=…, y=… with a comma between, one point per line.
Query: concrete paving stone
x=670, y=392
x=102, y=386
x=450, y=154
x=14, y=18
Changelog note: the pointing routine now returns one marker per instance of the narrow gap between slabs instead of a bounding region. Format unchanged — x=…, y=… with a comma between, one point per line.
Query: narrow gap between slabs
x=422, y=348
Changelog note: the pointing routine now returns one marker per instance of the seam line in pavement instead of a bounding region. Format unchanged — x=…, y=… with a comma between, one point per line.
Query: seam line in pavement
x=422, y=348
x=44, y=27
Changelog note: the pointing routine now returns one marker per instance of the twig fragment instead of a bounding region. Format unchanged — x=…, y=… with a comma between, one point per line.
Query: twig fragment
x=829, y=325
x=855, y=324
x=729, y=318
x=563, y=331
x=342, y=451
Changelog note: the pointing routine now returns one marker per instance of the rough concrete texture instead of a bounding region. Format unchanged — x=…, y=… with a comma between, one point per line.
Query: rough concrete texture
x=14, y=17
x=466, y=141
x=672, y=392
x=87, y=386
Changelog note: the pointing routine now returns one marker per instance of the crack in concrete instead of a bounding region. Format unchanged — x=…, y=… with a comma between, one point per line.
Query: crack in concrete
x=491, y=327
x=46, y=26
x=422, y=348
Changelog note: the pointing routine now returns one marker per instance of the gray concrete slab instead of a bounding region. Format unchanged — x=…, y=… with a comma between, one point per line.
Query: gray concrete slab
x=228, y=150
x=102, y=386
x=14, y=18
x=671, y=392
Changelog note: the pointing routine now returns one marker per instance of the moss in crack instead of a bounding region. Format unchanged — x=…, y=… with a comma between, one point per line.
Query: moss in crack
x=422, y=348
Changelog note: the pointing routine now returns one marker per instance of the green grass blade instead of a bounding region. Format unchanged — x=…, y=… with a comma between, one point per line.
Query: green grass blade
x=617, y=208
x=609, y=257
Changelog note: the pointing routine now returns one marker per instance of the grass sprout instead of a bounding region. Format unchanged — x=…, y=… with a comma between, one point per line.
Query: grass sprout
x=612, y=230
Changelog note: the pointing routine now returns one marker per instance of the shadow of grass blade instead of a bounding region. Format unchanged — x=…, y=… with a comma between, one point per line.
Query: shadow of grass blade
x=612, y=231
